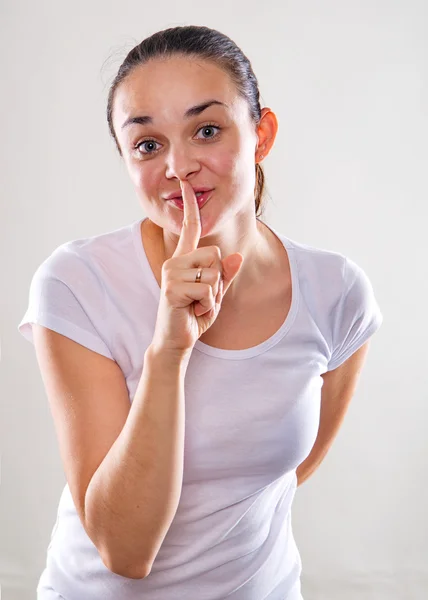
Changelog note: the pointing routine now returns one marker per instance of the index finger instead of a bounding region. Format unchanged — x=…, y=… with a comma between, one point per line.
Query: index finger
x=191, y=228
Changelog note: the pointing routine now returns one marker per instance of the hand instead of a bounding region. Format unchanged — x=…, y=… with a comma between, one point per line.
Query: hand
x=186, y=308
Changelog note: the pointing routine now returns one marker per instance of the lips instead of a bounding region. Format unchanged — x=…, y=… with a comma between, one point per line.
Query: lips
x=180, y=196
x=202, y=200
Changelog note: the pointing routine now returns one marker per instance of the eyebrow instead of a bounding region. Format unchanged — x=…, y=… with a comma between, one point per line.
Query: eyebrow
x=191, y=112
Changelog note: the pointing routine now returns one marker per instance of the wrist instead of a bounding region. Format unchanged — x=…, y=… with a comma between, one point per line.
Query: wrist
x=167, y=358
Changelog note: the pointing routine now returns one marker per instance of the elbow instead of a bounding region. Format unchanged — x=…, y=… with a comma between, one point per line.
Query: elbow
x=117, y=566
x=132, y=572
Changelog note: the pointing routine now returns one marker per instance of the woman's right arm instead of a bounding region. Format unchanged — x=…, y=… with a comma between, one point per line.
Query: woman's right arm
x=133, y=496
x=123, y=462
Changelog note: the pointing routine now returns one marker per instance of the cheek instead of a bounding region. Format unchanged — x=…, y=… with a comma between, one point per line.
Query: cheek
x=230, y=164
x=223, y=163
x=134, y=173
x=145, y=179
x=232, y=167
x=149, y=181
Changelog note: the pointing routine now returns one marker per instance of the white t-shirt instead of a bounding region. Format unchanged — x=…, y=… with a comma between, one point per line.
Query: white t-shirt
x=252, y=417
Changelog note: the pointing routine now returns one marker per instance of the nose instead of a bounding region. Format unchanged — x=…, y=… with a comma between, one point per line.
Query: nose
x=181, y=163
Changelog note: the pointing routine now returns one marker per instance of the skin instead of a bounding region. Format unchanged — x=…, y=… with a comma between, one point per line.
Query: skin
x=181, y=149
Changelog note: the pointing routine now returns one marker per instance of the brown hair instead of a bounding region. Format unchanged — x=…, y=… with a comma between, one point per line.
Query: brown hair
x=197, y=42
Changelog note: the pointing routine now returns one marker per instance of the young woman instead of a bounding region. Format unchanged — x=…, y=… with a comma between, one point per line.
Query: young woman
x=197, y=362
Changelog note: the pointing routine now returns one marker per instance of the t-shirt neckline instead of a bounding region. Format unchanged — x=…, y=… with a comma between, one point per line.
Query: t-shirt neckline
x=221, y=352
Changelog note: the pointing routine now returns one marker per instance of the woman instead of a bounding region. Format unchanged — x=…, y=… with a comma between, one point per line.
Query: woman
x=184, y=355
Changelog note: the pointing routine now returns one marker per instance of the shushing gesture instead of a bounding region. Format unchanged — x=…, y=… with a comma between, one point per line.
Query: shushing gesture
x=188, y=308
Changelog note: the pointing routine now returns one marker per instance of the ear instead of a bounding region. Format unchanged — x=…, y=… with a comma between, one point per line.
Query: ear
x=266, y=133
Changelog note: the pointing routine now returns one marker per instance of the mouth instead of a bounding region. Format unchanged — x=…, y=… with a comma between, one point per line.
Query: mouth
x=202, y=199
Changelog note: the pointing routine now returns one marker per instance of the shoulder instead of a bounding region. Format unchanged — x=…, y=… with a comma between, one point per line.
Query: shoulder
x=320, y=272
x=326, y=278
x=79, y=260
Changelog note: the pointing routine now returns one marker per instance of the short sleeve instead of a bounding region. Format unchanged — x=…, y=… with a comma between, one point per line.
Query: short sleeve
x=356, y=317
x=66, y=296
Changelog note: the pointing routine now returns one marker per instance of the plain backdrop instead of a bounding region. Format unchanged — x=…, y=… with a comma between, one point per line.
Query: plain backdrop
x=348, y=82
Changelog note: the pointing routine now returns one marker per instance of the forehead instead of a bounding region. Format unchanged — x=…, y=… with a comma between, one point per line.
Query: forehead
x=166, y=88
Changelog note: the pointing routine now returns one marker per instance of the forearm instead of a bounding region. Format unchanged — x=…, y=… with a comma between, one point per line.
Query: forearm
x=312, y=461
x=305, y=470
x=133, y=496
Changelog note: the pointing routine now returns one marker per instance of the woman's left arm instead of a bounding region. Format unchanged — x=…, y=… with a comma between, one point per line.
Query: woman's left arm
x=336, y=393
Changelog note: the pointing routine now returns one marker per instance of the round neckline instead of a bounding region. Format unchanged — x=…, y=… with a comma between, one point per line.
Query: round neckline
x=222, y=352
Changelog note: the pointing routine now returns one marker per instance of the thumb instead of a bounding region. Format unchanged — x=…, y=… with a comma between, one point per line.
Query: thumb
x=231, y=267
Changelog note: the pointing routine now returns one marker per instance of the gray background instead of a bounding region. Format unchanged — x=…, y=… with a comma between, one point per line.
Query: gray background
x=348, y=83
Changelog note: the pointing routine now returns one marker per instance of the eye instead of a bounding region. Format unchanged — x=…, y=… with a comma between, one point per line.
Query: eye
x=152, y=142
x=209, y=126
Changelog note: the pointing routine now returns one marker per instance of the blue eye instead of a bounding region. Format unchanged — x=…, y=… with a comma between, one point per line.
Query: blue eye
x=150, y=141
